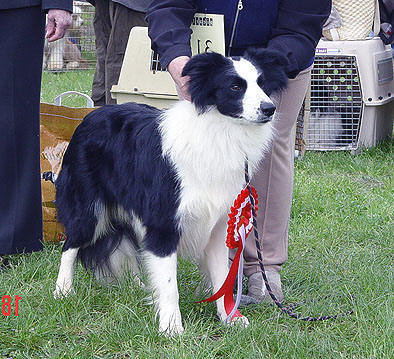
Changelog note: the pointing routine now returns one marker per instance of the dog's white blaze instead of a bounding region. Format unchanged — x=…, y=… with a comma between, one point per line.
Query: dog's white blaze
x=208, y=152
x=254, y=95
x=163, y=279
x=66, y=272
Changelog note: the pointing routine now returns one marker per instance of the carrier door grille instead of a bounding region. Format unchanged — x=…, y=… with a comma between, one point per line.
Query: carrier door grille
x=335, y=104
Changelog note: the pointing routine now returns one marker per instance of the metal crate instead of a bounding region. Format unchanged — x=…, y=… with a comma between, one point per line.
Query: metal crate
x=335, y=104
x=350, y=100
x=77, y=50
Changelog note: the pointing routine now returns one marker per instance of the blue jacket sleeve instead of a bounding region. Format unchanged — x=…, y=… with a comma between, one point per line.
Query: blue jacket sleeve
x=169, y=28
x=298, y=30
x=57, y=4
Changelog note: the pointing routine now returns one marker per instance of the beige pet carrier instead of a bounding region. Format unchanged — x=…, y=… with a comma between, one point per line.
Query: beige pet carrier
x=143, y=80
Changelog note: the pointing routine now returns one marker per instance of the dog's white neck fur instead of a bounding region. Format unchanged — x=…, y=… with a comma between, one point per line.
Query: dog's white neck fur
x=210, y=143
x=208, y=152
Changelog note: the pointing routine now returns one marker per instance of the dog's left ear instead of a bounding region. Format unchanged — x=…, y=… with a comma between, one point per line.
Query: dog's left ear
x=273, y=66
x=203, y=71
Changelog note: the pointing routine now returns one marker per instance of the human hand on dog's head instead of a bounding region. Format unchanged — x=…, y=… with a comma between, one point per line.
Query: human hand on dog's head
x=58, y=22
x=175, y=68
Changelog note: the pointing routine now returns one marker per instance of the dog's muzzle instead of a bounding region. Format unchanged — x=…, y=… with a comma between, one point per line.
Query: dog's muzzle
x=267, y=110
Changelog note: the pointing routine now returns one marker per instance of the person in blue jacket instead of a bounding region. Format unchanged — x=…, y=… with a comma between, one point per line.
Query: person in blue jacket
x=22, y=33
x=291, y=27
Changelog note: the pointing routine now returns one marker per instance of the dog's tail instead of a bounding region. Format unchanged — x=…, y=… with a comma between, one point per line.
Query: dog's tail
x=113, y=250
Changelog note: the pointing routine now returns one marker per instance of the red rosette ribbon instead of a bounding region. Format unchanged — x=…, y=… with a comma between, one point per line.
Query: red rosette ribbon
x=239, y=225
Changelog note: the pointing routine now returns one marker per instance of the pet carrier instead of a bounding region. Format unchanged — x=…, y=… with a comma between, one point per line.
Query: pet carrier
x=76, y=50
x=143, y=80
x=350, y=102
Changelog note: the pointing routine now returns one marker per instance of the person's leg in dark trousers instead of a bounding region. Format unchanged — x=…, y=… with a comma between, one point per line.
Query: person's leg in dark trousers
x=22, y=42
x=102, y=30
x=112, y=25
x=123, y=20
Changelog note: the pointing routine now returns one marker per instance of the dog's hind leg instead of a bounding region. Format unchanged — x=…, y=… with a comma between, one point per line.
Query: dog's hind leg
x=215, y=264
x=162, y=272
x=66, y=272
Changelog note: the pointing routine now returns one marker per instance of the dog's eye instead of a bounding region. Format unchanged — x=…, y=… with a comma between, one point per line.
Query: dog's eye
x=235, y=87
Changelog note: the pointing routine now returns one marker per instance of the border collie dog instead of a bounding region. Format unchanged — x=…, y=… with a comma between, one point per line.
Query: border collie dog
x=141, y=185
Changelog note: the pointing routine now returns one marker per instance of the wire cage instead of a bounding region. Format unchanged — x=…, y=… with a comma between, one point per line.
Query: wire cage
x=349, y=103
x=335, y=103
x=76, y=50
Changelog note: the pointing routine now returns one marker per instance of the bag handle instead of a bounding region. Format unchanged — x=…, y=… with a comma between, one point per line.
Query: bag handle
x=58, y=99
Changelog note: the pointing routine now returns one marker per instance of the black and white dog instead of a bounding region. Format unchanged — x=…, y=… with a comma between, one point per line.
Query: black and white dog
x=140, y=184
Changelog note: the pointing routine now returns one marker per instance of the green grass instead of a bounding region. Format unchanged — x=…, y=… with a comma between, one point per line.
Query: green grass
x=341, y=243
x=53, y=84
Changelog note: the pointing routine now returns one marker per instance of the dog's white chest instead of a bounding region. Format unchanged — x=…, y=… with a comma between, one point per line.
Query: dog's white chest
x=208, y=153
x=198, y=213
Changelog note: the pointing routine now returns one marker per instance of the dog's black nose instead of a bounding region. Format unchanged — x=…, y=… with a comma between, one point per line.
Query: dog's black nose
x=267, y=109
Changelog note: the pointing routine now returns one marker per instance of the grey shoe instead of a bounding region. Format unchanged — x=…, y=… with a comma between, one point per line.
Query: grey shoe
x=246, y=300
x=257, y=290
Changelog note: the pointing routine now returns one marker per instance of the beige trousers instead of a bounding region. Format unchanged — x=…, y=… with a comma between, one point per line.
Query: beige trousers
x=274, y=182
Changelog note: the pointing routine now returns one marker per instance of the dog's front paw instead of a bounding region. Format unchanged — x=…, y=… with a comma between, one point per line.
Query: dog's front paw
x=172, y=325
x=236, y=320
x=62, y=291
x=241, y=321
x=172, y=330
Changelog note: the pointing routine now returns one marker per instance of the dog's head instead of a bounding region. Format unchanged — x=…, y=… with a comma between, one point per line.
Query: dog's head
x=237, y=87
x=77, y=20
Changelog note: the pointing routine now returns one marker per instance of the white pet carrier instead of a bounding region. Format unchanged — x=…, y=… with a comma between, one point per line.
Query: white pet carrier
x=350, y=102
x=143, y=80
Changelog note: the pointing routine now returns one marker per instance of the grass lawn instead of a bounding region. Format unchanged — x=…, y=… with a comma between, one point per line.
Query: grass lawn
x=53, y=84
x=341, y=243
